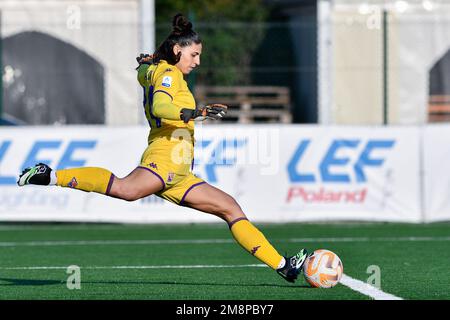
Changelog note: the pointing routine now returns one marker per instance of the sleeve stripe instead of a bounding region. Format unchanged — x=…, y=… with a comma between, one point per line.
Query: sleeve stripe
x=164, y=92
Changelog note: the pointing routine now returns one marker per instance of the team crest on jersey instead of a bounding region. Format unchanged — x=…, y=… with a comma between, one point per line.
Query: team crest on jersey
x=167, y=81
x=170, y=176
x=73, y=183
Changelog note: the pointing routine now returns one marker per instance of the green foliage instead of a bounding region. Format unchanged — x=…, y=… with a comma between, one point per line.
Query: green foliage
x=230, y=30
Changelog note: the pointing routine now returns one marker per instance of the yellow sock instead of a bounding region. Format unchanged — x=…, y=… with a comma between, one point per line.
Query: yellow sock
x=88, y=179
x=252, y=240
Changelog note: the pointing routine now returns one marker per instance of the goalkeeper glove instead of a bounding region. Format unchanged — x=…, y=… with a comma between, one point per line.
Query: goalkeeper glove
x=212, y=111
x=144, y=59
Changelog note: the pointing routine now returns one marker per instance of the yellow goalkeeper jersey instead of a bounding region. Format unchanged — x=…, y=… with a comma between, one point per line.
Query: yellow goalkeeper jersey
x=166, y=78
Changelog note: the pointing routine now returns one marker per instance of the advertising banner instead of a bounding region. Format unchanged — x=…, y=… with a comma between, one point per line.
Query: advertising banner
x=436, y=157
x=310, y=173
x=276, y=173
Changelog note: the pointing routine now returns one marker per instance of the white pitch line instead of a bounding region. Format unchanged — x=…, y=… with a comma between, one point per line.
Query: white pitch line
x=201, y=266
x=6, y=228
x=367, y=239
x=353, y=284
x=367, y=289
x=93, y=227
x=210, y=241
x=113, y=242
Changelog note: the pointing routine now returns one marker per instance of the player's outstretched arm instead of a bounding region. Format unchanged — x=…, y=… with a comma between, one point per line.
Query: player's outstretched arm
x=163, y=107
x=144, y=61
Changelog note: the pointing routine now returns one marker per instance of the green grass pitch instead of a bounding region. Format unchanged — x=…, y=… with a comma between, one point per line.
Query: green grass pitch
x=123, y=261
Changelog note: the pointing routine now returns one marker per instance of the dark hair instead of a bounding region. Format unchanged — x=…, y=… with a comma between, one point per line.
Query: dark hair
x=182, y=34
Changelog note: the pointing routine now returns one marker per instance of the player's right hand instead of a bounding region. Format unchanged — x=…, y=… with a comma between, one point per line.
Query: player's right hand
x=213, y=111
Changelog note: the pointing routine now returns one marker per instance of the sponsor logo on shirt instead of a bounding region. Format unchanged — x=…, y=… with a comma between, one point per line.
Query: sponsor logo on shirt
x=167, y=81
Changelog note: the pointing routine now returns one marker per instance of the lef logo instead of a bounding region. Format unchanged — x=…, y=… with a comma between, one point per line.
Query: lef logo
x=341, y=173
x=64, y=155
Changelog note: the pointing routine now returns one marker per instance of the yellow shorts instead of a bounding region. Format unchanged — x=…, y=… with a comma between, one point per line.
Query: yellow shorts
x=176, y=178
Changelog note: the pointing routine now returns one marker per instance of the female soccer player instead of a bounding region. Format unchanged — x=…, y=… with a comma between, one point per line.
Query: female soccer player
x=165, y=167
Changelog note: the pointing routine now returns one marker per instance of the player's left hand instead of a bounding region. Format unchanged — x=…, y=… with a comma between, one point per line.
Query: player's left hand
x=214, y=111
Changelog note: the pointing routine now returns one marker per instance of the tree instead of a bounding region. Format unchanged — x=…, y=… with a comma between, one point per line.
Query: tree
x=230, y=30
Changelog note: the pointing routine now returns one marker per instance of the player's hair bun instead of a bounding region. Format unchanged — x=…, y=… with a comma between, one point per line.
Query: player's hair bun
x=181, y=25
x=182, y=34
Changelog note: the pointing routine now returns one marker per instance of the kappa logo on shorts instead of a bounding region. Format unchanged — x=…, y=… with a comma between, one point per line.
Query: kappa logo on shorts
x=153, y=165
x=73, y=183
x=167, y=81
x=170, y=176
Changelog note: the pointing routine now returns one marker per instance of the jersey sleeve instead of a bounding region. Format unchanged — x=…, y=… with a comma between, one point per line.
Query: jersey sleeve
x=142, y=75
x=168, y=81
x=163, y=108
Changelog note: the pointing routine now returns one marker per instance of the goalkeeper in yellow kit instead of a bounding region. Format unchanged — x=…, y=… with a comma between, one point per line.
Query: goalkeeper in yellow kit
x=165, y=168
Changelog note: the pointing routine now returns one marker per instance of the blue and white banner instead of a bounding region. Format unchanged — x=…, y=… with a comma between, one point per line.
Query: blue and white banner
x=309, y=173
x=436, y=158
x=276, y=173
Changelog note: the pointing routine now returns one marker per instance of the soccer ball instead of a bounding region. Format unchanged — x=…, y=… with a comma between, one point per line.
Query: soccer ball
x=323, y=269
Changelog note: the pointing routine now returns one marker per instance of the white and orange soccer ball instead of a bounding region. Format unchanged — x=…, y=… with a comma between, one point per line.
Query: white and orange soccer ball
x=323, y=269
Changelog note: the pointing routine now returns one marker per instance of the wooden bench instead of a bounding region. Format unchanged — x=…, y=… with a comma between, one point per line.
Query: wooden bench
x=439, y=108
x=249, y=104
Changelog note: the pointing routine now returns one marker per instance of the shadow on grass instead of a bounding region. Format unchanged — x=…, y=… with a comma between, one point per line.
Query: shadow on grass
x=35, y=282
x=29, y=282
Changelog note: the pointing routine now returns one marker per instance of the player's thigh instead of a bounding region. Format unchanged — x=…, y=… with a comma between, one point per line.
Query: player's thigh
x=210, y=199
x=140, y=183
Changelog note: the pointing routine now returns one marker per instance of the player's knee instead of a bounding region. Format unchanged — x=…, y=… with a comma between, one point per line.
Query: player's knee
x=229, y=209
x=131, y=196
